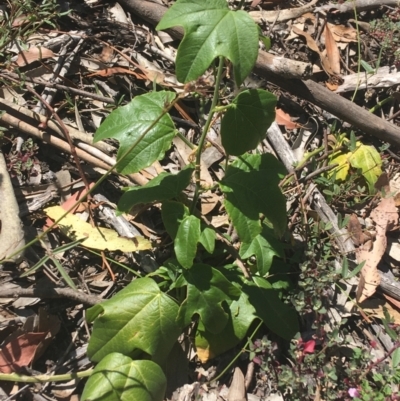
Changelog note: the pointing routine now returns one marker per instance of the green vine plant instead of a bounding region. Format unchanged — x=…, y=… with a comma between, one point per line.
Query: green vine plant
x=194, y=292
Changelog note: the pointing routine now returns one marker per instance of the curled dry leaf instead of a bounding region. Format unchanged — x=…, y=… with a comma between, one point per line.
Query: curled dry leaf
x=283, y=118
x=385, y=216
x=332, y=51
x=33, y=54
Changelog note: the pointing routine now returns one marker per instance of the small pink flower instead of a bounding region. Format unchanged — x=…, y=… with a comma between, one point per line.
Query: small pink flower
x=353, y=392
x=309, y=347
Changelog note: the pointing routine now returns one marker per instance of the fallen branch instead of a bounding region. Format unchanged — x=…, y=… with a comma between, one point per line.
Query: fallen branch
x=384, y=77
x=357, y=5
x=336, y=105
x=53, y=293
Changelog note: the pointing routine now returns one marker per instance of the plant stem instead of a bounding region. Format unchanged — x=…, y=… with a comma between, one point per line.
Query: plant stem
x=205, y=130
x=15, y=377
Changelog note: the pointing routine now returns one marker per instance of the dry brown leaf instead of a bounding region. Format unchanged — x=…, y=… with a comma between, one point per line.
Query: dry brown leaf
x=283, y=118
x=332, y=51
x=314, y=47
x=355, y=230
x=343, y=33
x=237, y=390
x=385, y=216
x=208, y=202
x=20, y=351
x=33, y=54
x=393, y=301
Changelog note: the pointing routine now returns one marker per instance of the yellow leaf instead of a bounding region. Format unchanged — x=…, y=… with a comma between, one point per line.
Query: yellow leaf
x=343, y=166
x=96, y=237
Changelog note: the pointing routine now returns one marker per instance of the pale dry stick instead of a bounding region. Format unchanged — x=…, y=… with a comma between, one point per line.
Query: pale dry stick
x=22, y=113
x=76, y=91
x=59, y=71
x=60, y=144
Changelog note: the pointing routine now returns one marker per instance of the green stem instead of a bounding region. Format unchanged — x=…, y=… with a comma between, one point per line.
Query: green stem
x=240, y=353
x=205, y=130
x=15, y=377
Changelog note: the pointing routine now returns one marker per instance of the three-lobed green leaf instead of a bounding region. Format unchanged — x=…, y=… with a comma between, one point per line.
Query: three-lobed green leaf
x=138, y=318
x=246, y=121
x=128, y=124
x=118, y=378
x=212, y=30
x=207, y=289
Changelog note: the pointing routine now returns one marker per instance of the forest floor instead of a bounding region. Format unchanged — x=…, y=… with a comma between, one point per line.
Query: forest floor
x=335, y=69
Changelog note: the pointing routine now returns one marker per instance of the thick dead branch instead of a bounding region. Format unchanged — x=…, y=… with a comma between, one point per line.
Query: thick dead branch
x=152, y=13
x=358, y=5
x=337, y=105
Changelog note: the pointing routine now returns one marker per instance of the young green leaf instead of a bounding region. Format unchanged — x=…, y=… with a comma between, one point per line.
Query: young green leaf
x=186, y=241
x=172, y=214
x=277, y=316
x=128, y=123
x=264, y=248
x=251, y=187
x=163, y=187
x=207, y=289
x=118, y=377
x=207, y=239
x=139, y=317
x=212, y=30
x=246, y=121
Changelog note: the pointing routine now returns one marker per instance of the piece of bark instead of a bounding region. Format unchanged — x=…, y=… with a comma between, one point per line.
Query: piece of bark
x=282, y=15
x=384, y=77
x=152, y=13
x=12, y=236
x=357, y=5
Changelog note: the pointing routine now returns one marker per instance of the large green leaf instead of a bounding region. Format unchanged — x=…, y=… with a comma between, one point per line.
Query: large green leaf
x=128, y=123
x=172, y=214
x=240, y=316
x=186, y=240
x=207, y=289
x=164, y=186
x=368, y=160
x=251, y=187
x=246, y=121
x=212, y=30
x=277, y=316
x=118, y=378
x=139, y=317
x=264, y=247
